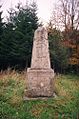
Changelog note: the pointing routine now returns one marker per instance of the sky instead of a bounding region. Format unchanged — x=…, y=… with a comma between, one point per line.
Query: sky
x=45, y=7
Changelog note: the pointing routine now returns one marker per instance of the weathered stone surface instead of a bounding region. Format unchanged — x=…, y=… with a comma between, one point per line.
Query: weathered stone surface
x=40, y=82
x=40, y=53
x=40, y=76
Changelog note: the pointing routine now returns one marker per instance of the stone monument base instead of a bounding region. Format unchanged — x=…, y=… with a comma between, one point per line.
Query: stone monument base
x=40, y=82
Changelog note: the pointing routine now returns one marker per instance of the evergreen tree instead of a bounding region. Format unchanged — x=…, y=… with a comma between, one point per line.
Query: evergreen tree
x=26, y=21
x=18, y=35
x=1, y=38
x=58, y=52
x=1, y=25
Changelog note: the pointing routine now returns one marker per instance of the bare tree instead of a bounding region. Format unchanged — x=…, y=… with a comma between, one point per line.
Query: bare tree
x=66, y=14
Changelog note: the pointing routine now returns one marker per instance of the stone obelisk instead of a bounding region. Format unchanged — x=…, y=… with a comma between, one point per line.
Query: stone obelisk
x=40, y=76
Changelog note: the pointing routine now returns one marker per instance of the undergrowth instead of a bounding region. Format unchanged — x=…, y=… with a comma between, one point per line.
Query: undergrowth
x=12, y=105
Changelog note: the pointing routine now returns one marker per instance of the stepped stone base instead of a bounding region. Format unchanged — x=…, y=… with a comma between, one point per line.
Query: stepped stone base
x=40, y=82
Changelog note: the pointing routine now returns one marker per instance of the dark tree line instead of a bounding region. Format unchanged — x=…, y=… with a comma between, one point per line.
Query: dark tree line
x=16, y=39
x=64, y=53
x=16, y=36
x=58, y=52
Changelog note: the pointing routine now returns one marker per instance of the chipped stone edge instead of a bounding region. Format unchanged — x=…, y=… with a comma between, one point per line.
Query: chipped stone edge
x=26, y=98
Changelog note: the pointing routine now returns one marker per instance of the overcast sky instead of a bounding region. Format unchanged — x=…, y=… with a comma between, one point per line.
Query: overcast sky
x=44, y=7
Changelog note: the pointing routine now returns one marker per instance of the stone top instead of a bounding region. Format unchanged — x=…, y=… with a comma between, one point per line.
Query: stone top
x=40, y=34
x=40, y=52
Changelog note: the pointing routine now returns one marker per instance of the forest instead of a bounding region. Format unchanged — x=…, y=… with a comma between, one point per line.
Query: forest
x=16, y=42
x=16, y=36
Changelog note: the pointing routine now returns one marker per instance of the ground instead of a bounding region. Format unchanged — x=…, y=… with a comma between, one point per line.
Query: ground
x=12, y=105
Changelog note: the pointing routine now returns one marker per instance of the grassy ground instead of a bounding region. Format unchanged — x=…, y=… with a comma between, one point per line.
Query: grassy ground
x=64, y=106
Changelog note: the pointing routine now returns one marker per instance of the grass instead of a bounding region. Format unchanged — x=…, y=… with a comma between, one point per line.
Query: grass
x=12, y=105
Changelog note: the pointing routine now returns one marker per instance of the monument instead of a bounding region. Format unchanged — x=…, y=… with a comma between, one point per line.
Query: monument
x=40, y=76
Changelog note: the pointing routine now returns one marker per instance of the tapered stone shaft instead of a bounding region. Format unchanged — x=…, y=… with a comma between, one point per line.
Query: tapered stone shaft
x=40, y=53
x=40, y=76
